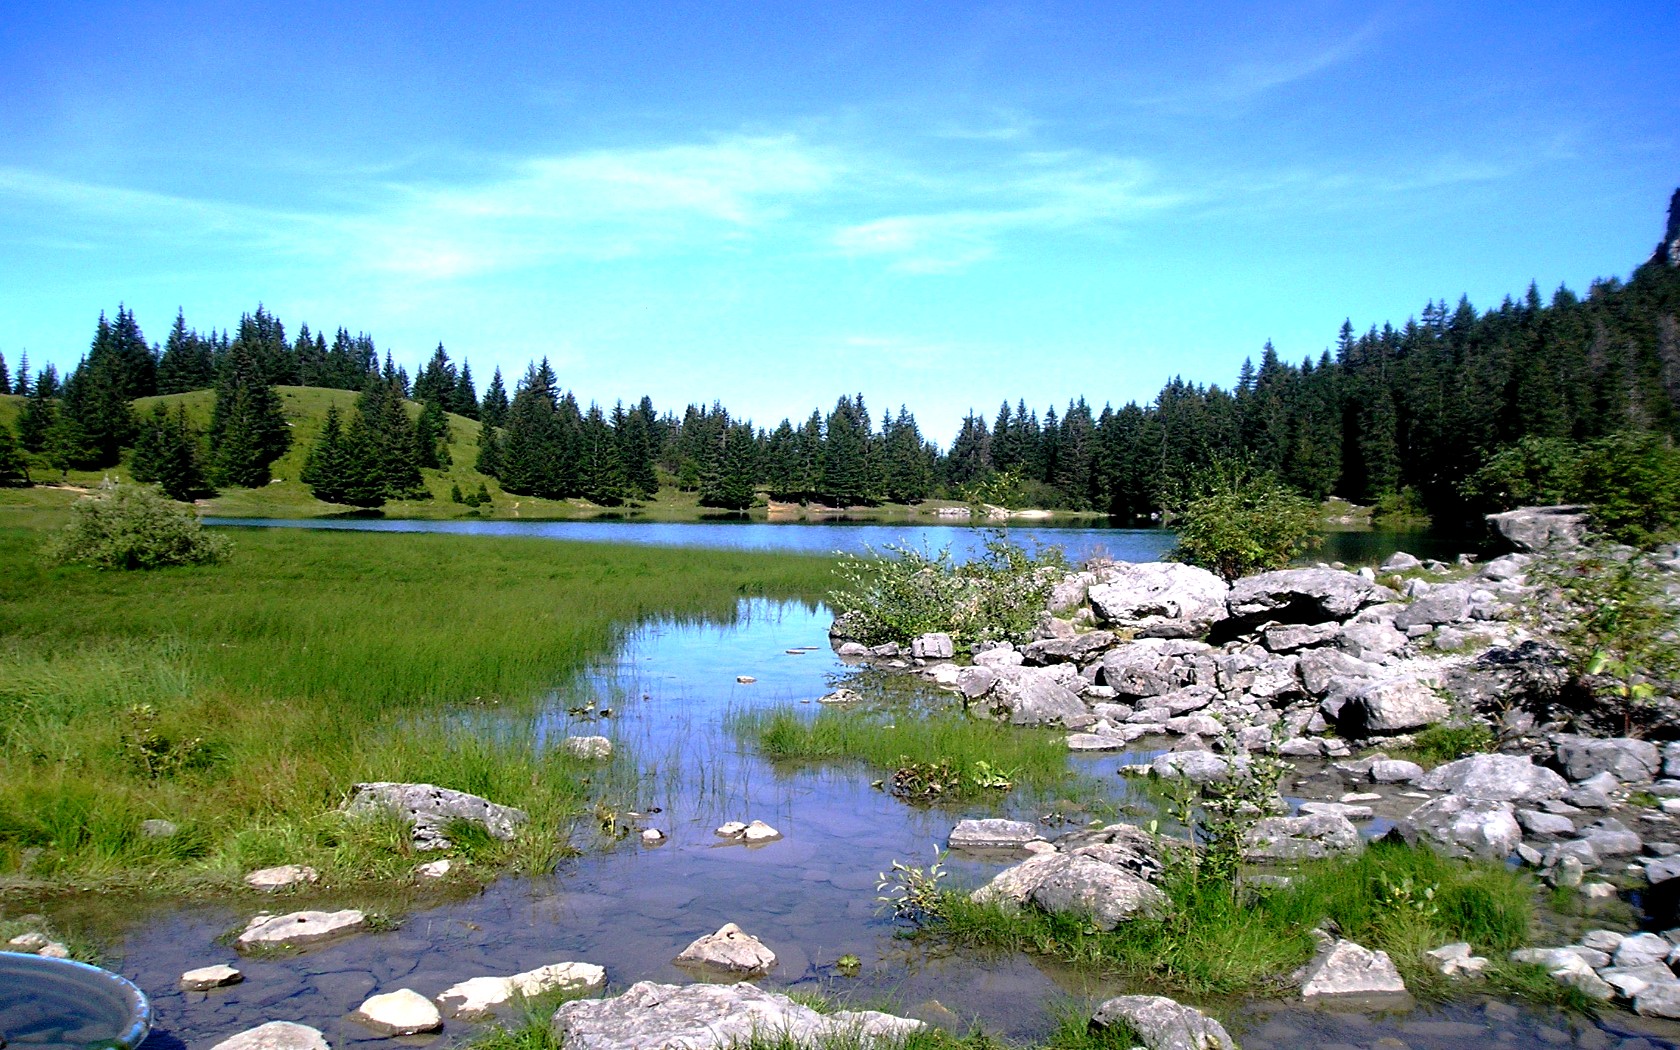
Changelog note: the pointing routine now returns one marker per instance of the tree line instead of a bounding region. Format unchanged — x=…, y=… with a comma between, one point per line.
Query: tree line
x=1391, y=416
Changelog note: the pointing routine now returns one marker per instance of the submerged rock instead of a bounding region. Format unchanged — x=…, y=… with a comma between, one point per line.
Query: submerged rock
x=594, y=748
x=714, y=1017
x=1162, y=1023
x=299, y=928
x=430, y=809
x=730, y=950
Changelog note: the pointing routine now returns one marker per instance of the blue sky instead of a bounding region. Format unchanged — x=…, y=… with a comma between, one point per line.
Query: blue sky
x=943, y=205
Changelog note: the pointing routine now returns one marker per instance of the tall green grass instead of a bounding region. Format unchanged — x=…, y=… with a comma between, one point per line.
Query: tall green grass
x=242, y=701
x=975, y=749
x=1216, y=942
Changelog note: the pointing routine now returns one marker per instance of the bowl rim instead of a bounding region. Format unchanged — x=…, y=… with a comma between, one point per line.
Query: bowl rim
x=139, y=1006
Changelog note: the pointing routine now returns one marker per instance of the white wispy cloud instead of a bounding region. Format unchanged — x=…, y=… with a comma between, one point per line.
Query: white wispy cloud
x=1037, y=192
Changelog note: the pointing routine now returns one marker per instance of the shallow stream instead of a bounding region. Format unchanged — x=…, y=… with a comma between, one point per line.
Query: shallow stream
x=810, y=896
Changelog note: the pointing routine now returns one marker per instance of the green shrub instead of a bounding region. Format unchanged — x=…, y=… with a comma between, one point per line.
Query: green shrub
x=1237, y=520
x=996, y=596
x=134, y=527
x=1631, y=482
x=1448, y=741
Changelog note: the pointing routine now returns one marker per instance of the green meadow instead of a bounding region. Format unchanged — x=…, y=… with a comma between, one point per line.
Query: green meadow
x=241, y=701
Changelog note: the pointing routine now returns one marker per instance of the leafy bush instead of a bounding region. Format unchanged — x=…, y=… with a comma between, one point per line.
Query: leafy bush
x=1237, y=520
x=134, y=527
x=1610, y=612
x=993, y=597
x=1631, y=482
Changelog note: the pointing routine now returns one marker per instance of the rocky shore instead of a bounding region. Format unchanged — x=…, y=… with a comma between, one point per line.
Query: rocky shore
x=1320, y=665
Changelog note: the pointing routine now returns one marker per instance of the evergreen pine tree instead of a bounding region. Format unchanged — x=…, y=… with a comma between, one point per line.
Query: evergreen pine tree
x=432, y=435
x=21, y=386
x=493, y=409
x=37, y=418
x=166, y=452
x=14, y=469
x=844, y=470
x=466, y=395
x=5, y=377
x=601, y=471
x=248, y=431
x=728, y=478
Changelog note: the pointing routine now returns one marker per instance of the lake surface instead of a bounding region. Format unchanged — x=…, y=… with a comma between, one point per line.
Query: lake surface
x=810, y=896
x=1078, y=542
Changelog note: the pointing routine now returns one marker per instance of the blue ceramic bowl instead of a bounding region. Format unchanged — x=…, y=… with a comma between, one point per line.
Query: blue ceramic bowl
x=57, y=1003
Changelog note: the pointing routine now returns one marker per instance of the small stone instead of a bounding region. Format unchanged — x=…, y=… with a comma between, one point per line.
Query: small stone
x=284, y=877
x=733, y=829
x=1395, y=771
x=207, y=977
x=1642, y=948
x=652, y=836
x=28, y=943
x=54, y=950
x=745, y=679
x=477, y=998
x=158, y=829
x=757, y=833
x=1598, y=891
x=434, y=869
x=1603, y=940
x=402, y=1012
x=275, y=1035
x=1163, y=1024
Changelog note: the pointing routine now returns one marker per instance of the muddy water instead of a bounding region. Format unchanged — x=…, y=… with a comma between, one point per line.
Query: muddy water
x=810, y=896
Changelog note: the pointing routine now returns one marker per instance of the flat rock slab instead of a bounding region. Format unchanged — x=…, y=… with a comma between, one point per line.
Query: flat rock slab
x=730, y=950
x=402, y=1012
x=1163, y=1024
x=992, y=834
x=478, y=997
x=207, y=977
x=714, y=1017
x=1349, y=969
x=283, y=877
x=1496, y=778
x=276, y=1035
x=299, y=928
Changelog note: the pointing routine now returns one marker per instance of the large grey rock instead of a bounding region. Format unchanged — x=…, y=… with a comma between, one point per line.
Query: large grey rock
x=1369, y=641
x=1200, y=767
x=992, y=833
x=1346, y=968
x=275, y=1035
x=1460, y=825
x=1086, y=886
x=715, y=1017
x=1162, y=1024
x=1390, y=705
x=478, y=997
x=1300, y=838
x=1395, y=771
x=1446, y=604
x=1507, y=778
x=1611, y=838
x=1078, y=649
x=430, y=809
x=1036, y=696
x=1550, y=825
x=1304, y=595
x=1529, y=675
x=935, y=645
x=1662, y=869
x=1321, y=669
x=1160, y=599
x=299, y=928
x=975, y=682
x=402, y=1012
x=284, y=877
x=731, y=950
x=1629, y=761
x=1288, y=637
x=1540, y=528
x=1014, y=885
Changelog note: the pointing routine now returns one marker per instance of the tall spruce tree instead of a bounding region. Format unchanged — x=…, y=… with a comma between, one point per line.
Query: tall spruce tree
x=167, y=452
x=248, y=430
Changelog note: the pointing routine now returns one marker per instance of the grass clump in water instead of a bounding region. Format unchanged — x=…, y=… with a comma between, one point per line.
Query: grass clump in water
x=1220, y=939
x=939, y=756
